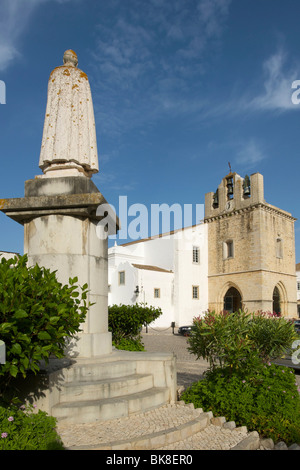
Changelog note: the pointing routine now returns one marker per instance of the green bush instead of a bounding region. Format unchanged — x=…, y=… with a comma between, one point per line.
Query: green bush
x=21, y=429
x=240, y=339
x=241, y=384
x=38, y=315
x=266, y=400
x=126, y=321
x=129, y=344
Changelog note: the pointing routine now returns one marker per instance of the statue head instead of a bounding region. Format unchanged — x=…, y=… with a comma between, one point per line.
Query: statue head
x=70, y=58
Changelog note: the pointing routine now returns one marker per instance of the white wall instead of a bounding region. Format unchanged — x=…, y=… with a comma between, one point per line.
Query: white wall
x=122, y=294
x=174, y=253
x=160, y=252
x=150, y=280
x=7, y=254
x=189, y=274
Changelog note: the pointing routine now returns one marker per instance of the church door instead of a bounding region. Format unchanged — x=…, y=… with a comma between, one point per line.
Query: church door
x=276, y=301
x=232, y=300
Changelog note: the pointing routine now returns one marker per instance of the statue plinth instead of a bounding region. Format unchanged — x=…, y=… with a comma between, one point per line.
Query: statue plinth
x=62, y=233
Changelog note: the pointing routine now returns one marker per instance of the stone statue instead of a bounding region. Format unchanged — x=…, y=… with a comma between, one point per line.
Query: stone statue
x=69, y=144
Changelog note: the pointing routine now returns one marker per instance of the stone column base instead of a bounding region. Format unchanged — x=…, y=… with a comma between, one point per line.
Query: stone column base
x=90, y=345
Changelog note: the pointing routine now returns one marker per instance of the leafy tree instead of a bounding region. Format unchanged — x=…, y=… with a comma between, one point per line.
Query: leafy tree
x=38, y=315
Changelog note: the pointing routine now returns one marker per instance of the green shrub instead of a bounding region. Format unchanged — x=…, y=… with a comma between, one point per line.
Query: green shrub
x=126, y=321
x=21, y=429
x=240, y=339
x=241, y=384
x=38, y=315
x=271, y=335
x=129, y=344
x=266, y=400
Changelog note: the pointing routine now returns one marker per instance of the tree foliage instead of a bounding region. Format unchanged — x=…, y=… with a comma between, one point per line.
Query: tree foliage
x=38, y=315
x=240, y=339
x=241, y=383
x=126, y=321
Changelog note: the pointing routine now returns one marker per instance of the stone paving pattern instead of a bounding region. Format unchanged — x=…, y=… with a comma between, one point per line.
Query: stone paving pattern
x=149, y=426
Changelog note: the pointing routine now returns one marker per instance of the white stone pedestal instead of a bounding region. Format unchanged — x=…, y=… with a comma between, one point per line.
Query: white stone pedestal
x=60, y=222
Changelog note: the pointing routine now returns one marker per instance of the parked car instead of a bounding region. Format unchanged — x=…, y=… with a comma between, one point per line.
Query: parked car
x=297, y=326
x=184, y=330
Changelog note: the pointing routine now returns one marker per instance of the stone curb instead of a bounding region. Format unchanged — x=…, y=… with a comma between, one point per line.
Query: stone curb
x=251, y=442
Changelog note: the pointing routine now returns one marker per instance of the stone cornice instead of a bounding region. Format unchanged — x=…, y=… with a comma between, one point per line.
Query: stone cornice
x=252, y=271
x=266, y=207
x=27, y=208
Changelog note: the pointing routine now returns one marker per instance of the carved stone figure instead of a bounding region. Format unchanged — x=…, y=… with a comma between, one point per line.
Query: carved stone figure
x=69, y=144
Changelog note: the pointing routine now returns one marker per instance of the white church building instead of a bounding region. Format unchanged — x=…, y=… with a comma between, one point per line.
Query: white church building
x=242, y=256
x=169, y=271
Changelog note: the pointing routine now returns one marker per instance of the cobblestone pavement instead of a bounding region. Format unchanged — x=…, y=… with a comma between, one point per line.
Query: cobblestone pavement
x=117, y=432
x=149, y=426
x=189, y=369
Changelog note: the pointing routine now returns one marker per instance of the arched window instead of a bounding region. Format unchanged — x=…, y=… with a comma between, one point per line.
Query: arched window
x=276, y=301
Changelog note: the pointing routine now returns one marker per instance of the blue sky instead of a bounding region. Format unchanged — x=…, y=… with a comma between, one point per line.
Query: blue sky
x=180, y=88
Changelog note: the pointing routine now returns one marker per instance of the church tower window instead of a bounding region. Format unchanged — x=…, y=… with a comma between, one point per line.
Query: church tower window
x=228, y=249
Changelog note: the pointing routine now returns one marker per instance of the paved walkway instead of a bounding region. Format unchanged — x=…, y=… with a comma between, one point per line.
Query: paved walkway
x=148, y=431
x=150, y=428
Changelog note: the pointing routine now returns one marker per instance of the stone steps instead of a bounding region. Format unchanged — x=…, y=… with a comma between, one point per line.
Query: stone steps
x=170, y=427
x=155, y=440
x=88, y=411
x=86, y=390
x=92, y=371
x=102, y=389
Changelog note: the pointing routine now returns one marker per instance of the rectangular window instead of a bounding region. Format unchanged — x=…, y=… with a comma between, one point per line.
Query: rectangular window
x=121, y=278
x=298, y=285
x=156, y=293
x=228, y=251
x=195, y=292
x=196, y=254
x=279, y=248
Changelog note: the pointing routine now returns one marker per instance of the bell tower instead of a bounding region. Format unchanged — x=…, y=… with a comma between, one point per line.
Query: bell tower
x=251, y=249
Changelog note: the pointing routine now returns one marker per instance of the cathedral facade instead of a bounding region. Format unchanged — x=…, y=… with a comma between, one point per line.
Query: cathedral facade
x=241, y=256
x=251, y=249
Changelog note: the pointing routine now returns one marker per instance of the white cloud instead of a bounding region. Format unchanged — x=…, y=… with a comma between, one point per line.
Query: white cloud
x=277, y=79
x=249, y=154
x=277, y=85
x=153, y=55
x=14, y=20
x=271, y=92
x=213, y=13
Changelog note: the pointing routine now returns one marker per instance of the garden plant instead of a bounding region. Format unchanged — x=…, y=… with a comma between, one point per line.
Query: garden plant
x=242, y=383
x=126, y=322
x=38, y=317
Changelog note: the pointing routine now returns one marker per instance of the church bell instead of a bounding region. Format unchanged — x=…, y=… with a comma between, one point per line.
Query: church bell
x=230, y=187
